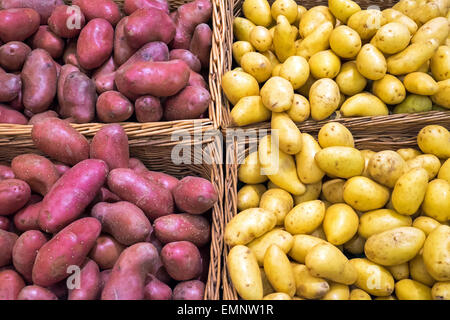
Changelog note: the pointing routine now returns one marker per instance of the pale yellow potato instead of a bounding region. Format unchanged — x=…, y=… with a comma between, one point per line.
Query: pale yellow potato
x=334, y=134
x=302, y=244
x=272, y=58
x=426, y=224
x=296, y=70
x=394, y=246
x=343, y=9
x=305, y=217
x=290, y=139
x=355, y=245
x=287, y=8
x=392, y=15
x=240, y=48
x=440, y=63
x=444, y=172
x=414, y=103
x=257, y=65
x=409, y=191
x=312, y=193
x=391, y=38
x=363, y=105
x=408, y=289
x=284, y=39
x=277, y=296
x=429, y=162
x=420, y=83
x=324, y=64
x=277, y=201
x=281, y=238
x=308, y=286
x=337, y=291
x=364, y=194
x=367, y=154
x=435, y=139
x=345, y=42
x=441, y=290
x=300, y=12
x=249, y=196
x=267, y=287
x=257, y=11
x=437, y=28
x=365, y=22
x=324, y=98
x=389, y=89
x=406, y=6
x=277, y=94
x=340, y=223
x=316, y=41
x=242, y=28
x=442, y=96
x=358, y=294
x=260, y=38
x=373, y=278
x=425, y=67
x=249, y=225
x=371, y=62
x=300, y=110
x=377, y=221
x=249, y=110
x=408, y=153
x=313, y=18
x=436, y=254
x=436, y=203
x=276, y=70
x=349, y=80
x=333, y=190
x=250, y=170
x=237, y=85
x=399, y=271
x=419, y=272
x=341, y=162
x=307, y=168
x=386, y=167
x=244, y=273
x=279, y=271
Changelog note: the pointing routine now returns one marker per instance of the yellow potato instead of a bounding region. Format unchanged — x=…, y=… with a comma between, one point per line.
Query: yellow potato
x=319, y=233
x=436, y=28
x=386, y=167
x=300, y=12
x=389, y=89
x=425, y=67
x=240, y=48
x=308, y=286
x=257, y=65
x=412, y=58
x=287, y=8
x=249, y=225
x=440, y=63
x=345, y=42
x=260, y=38
x=394, y=246
x=444, y=172
x=364, y=194
x=290, y=140
x=324, y=64
x=312, y=193
x=267, y=287
x=427, y=10
x=365, y=22
x=377, y=221
x=277, y=94
x=372, y=277
x=337, y=292
x=279, y=271
x=334, y=134
x=392, y=15
x=349, y=80
x=296, y=70
x=281, y=238
x=343, y=9
x=408, y=289
x=327, y=261
x=408, y=153
x=442, y=96
x=436, y=203
x=276, y=70
x=441, y=291
x=279, y=167
x=419, y=272
x=413, y=104
x=257, y=11
x=399, y=271
x=250, y=171
x=409, y=191
x=244, y=273
x=342, y=162
x=284, y=39
x=277, y=296
x=324, y=97
x=249, y=110
x=406, y=6
x=237, y=85
x=420, y=83
x=272, y=58
x=300, y=110
x=307, y=168
x=426, y=224
x=371, y=62
x=429, y=162
x=355, y=245
x=242, y=28
x=435, y=139
x=249, y=196
x=363, y=105
x=391, y=38
x=305, y=217
x=302, y=244
x=332, y=190
x=313, y=18
x=277, y=201
x=316, y=41
x=304, y=90
x=358, y=294
x=367, y=154
x=436, y=254
x=340, y=223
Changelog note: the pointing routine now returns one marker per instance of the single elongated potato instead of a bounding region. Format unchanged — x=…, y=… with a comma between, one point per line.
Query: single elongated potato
x=242, y=28
x=436, y=255
x=389, y=89
x=426, y=224
x=284, y=39
x=290, y=139
x=249, y=196
x=420, y=83
x=308, y=286
x=279, y=271
x=386, y=167
x=436, y=203
x=257, y=11
x=394, y=246
x=364, y=194
x=249, y=110
x=312, y=193
x=277, y=201
x=435, y=139
x=239, y=84
x=305, y=217
x=350, y=80
x=373, y=278
x=377, y=221
x=409, y=191
x=408, y=289
x=300, y=109
x=307, y=168
x=316, y=41
x=441, y=291
x=333, y=191
x=302, y=244
x=342, y=162
x=296, y=70
x=324, y=98
x=437, y=28
x=440, y=62
x=362, y=105
x=399, y=271
x=334, y=134
x=340, y=223
x=391, y=38
x=371, y=62
x=250, y=171
x=279, y=237
x=343, y=9
x=277, y=94
x=257, y=65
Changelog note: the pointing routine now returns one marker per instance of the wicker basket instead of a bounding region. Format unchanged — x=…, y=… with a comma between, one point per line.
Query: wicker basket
x=158, y=158
x=381, y=123
x=238, y=150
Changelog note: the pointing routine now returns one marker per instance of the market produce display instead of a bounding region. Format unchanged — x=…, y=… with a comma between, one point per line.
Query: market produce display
x=88, y=62
x=338, y=60
x=333, y=222
x=131, y=233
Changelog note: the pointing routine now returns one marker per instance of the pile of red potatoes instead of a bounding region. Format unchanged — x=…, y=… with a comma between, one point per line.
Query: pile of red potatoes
x=131, y=233
x=91, y=63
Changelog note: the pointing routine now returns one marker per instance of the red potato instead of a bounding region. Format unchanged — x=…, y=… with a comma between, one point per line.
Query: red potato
x=68, y=247
x=25, y=251
x=71, y=194
x=39, y=81
x=11, y=283
x=27, y=218
x=5, y=224
x=79, y=98
x=110, y=144
x=191, y=59
x=65, y=71
x=7, y=241
x=136, y=165
x=45, y=39
x=104, y=277
x=17, y=103
x=182, y=260
x=18, y=24
x=36, y=170
x=14, y=194
x=165, y=180
x=8, y=115
x=157, y=290
x=131, y=6
x=205, y=254
x=123, y=220
x=104, y=76
x=106, y=251
x=70, y=55
x=59, y=140
x=187, y=17
x=61, y=168
x=189, y=290
x=13, y=55
x=105, y=9
x=89, y=283
x=95, y=43
x=36, y=293
x=148, y=109
x=10, y=87
x=160, y=79
x=150, y=197
x=112, y=107
x=66, y=21
x=59, y=289
x=104, y=195
x=153, y=51
x=41, y=116
x=127, y=279
x=183, y=227
x=197, y=80
x=43, y=7
x=189, y=103
x=201, y=44
x=122, y=50
x=108, y=67
x=154, y=241
x=6, y=173
x=194, y=195
x=147, y=25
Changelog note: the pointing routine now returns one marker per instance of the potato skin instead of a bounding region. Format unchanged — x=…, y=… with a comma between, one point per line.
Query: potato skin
x=105, y=9
x=11, y=86
x=148, y=109
x=25, y=251
x=165, y=180
x=189, y=290
x=43, y=7
x=435, y=253
x=182, y=260
x=201, y=44
x=187, y=56
x=153, y=51
x=106, y=251
x=183, y=227
x=17, y=24
x=5, y=224
x=14, y=194
x=10, y=285
x=89, y=283
x=13, y=55
x=27, y=218
x=189, y=103
x=36, y=293
x=157, y=290
x=131, y=6
x=8, y=115
x=195, y=195
x=7, y=241
x=45, y=39
x=57, y=22
x=110, y=144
